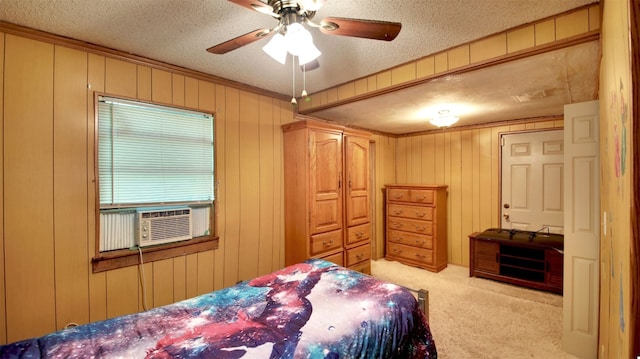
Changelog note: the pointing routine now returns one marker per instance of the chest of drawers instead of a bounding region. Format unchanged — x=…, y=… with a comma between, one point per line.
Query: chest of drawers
x=416, y=218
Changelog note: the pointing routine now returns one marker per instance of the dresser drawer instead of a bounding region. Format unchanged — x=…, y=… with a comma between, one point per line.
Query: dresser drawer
x=411, y=253
x=325, y=242
x=358, y=254
x=411, y=225
x=335, y=258
x=358, y=233
x=414, y=212
x=424, y=196
x=363, y=267
x=411, y=239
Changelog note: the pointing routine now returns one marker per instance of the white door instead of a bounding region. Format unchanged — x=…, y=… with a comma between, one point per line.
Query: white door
x=582, y=230
x=532, y=172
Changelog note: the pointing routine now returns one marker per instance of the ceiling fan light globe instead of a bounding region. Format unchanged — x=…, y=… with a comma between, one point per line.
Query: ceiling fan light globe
x=309, y=53
x=276, y=48
x=297, y=37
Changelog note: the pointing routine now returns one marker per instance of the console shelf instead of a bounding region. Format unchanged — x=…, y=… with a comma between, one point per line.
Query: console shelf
x=523, y=258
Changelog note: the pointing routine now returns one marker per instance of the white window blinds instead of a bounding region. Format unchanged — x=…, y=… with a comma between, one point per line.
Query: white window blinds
x=149, y=154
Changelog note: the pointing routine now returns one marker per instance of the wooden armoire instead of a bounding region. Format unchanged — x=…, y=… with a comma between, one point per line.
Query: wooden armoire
x=326, y=194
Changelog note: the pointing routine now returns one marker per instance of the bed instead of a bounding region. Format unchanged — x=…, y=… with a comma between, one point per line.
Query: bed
x=313, y=309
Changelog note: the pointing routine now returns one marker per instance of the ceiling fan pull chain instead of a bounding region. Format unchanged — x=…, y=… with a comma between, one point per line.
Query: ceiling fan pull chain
x=293, y=73
x=304, y=81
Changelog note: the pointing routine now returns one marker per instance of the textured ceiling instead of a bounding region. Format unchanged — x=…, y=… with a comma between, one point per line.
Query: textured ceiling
x=179, y=32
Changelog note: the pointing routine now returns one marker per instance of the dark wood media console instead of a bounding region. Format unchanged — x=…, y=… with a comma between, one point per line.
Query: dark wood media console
x=529, y=259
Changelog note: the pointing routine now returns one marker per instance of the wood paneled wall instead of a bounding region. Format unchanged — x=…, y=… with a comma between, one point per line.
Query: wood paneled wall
x=467, y=161
x=47, y=196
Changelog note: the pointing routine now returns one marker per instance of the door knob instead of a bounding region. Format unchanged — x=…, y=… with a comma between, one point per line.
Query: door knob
x=506, y=205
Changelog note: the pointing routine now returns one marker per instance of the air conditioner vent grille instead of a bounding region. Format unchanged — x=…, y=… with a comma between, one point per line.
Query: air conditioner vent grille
x=163, y=226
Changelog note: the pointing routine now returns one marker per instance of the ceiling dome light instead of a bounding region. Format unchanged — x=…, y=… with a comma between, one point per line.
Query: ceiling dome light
x=444, y=120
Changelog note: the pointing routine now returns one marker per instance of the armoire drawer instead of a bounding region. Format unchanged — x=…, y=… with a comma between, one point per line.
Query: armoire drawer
x=359, y=233
x=411, y=225
x=358, y=254
x=423, y=196
x=411, y=239
x=413, y=212
x=415, y=254
x=325, y=242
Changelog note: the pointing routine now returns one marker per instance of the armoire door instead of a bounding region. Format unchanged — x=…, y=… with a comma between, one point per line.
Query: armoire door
x=357, y=180
x=325, y=151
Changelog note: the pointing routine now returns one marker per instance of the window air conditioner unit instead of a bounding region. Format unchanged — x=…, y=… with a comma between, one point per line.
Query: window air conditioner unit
x=164, y=225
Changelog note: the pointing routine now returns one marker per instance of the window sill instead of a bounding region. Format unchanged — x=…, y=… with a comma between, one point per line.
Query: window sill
x=125, y=257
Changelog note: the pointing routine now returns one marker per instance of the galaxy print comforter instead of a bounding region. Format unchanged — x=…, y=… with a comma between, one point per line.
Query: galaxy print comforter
x=313, y=309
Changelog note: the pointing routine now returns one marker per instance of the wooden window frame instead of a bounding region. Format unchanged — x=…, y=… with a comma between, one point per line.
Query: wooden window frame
x=105, y=261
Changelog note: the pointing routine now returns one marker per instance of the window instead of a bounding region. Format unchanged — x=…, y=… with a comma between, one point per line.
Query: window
x=154, y=161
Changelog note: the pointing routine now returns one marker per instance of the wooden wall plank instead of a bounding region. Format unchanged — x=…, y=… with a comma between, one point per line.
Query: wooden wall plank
x=161, y=86
x=70, y=176
x=401, y=164
x=144, y=83
x=455, y=198
x=520, y=39
x=206, y=96
x=485, y=183
x=467, y=203
x=192, y=275
x=179, y=278
x=545, y=32
x=205, y=272
x=414, y=165
x=28, y=179
x=249, y=152
x=403, y=73
x=267, y=153
x=122, y=291
x=120, y=78
x=572, y=24
x=458, y=57
x=163, y=282
x=177, y=93
x=489, y=47
x=220, y=145
x=346, y=91
x=231, y=185
x=191, y=96
x=97, y=281
x=428, y=159
x=3, y=318
x=383, y=79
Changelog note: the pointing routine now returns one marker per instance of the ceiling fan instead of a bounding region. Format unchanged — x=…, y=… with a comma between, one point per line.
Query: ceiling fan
x=294, y=13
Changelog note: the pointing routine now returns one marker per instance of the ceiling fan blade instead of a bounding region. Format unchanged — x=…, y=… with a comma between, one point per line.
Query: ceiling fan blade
x=256, y=5
x=240, y=41
x=368, y=29
x=311, y=65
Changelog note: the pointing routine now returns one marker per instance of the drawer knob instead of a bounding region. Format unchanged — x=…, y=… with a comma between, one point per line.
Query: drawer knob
x=398, y=196
x=421, y=198
x=420, y=214
x=422, y=256
x=359, y=234
x=397, y=212
x=421, y=229
x=327, y=244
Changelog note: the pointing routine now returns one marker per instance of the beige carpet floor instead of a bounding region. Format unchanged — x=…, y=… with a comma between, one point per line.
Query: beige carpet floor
x=479, y=318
